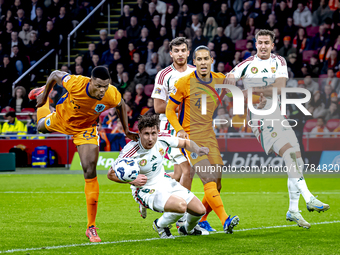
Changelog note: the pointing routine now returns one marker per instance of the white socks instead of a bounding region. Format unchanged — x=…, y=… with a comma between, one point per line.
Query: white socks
x=191, y=222
x=294, y=196
x=168, y=218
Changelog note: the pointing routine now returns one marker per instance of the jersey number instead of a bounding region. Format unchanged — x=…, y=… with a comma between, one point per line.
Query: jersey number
x=89, y=136
x=198, y=103
x=154, y=167
x=264, y=80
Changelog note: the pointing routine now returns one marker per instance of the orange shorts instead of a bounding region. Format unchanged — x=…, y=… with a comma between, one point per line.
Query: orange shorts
x=54, y=123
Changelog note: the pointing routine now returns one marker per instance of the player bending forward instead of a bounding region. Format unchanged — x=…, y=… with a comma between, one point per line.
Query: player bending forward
x=262, y=73
x=156, y=190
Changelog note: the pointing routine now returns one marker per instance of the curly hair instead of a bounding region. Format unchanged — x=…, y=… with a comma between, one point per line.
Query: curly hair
x=148, y=120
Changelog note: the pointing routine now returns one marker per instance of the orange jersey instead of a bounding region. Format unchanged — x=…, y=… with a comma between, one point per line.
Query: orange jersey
x=190, y=91
x=77, y=108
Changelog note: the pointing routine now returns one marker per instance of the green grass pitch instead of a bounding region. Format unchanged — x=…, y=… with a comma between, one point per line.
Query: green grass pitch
x=46, y=214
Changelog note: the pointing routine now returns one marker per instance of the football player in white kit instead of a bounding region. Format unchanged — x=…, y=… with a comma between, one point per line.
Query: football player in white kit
x=262, y=73
x=156, y=190
x=164, y=84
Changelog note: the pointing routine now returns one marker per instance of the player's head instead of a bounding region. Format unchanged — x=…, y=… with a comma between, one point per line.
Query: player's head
x=99, y=83
x=203, y=60
x=179, y=50
x=264, y=43
x=148, y=126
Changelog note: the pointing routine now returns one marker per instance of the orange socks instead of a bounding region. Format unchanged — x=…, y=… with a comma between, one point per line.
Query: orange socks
x=207, y=209
x=43, y=111
x=214, y=200
x=92, y=194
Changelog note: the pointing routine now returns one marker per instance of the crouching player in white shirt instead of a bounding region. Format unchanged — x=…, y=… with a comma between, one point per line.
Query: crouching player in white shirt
x=153, y=188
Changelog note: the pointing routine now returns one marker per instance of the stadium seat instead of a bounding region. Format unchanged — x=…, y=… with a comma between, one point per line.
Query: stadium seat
x=107, y=130
x=25, y=110
x=241, y=45
x=309, y=125
x=312, y=31
x=148, y=89
x=103, y=115
x=307, y=54
x=332, y=124
x=6, y=110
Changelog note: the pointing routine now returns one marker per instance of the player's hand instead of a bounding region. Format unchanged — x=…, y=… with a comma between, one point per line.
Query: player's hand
x=140, y=180
x=182, y=134
x=40, y=100
x=230, y=79
x=203, y=151
x=132, y=135
x=263, y=102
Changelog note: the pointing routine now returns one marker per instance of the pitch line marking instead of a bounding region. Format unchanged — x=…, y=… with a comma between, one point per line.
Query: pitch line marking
x=152, y=239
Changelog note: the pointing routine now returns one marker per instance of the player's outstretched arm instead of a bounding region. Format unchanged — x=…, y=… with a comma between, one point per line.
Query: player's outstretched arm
x=192, y=147
x=55, y=77
x=140, y=180
x=122, y=114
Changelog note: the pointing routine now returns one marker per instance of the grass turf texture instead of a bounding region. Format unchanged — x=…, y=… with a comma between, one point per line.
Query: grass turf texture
x=50, y=210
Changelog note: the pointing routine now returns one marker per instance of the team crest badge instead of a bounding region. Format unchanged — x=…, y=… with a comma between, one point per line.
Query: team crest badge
x=254, y=70
x=48, y=122
x=158, y=91
x=174, y=90
x=274, y=134
x=273, y=69
x=161, y=151
x=99, y=108
x=143, y=162
x=194, y=155
x=151, y=191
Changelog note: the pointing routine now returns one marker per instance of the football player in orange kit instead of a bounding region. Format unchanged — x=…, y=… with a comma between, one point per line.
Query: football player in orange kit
x=191, y=122
x=76, y=114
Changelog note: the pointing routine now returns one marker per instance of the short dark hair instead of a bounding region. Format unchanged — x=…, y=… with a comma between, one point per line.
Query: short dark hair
x=202, y=47
x=10, y=114
x=100, y=72
x=148, y=120
x=265, y=32
x=178, y=41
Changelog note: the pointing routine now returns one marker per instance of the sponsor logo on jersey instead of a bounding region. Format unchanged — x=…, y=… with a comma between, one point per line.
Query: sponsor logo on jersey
x=158, y=91
x=66, y=79
x=151, y=191
x=273, y=69
x=254, y=70
x=161, y=151
x=153, y=158
x=264, y=71
x=194, y=155
x=274, y=134
x=99, y=108
x=143, y=162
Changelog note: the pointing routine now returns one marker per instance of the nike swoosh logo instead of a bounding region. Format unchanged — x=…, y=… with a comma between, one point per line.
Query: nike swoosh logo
x=319, y=207
x=196, y=94
x=215, y=195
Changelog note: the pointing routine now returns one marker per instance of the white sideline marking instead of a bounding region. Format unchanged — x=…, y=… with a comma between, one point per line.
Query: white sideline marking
x=151, y=239
x=126, y=192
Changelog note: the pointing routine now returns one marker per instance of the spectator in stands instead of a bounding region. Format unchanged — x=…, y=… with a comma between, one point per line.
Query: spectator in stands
x=125, y=84
x=79, y=70
x=160, y=6
x=310, y=84
x=32, y=124
x=117, y=59
x=316, y=106
x=117, y=76
x=271, y=22
x=170, y=14
x=63, y=26
x=2, y=54
x=293, y=64
x=64, y=68
x=184, y=18
x=327, y=96
x=225, y=55
x=133, y=31
x=210, y=29
x=149, y=15
x=118, y=128
x=287, y=48
x=195, y=23
x=289, y=28
x=94, y=62
x=321, y=13
x=87, y=59
x=237, y=59
x=53, y=9
x=205, y=14
x=155, y=27
x=133, y=67
x=39, y=22
x=336, y=20
x=314, y=66
x=141, y=77
x=302, y=16
x=263, y=14
x=103, y=45
x=331, y=63
x=319, y=40
x=158, y=42
x=122, y=41
x=32, y=15
x=77, y=61
x=249, y=29
x=332, y=112
x=282, y=11
x=220, y=38
x=49, y=38
x=151, y=66
x=110, y=120
x=15, y=41
x=220, y=67
x=300, y=41
x=164, y=55
x=25, y=33
x=131, y=50
x=107, y=57
x=8, y=74
x=223, y=17
x=320, y=128
x=19, y=99
x=124, y=20
x=18, y=59
x=173, y=31
x=139, y=97
x=13, y=125
x=5, y=18
x=333, y=81
x=148, y=107
x=245, y=13
x=19, y=20
x=139, y=10
x=142, y=42
x=234, y=31
x=199, y=39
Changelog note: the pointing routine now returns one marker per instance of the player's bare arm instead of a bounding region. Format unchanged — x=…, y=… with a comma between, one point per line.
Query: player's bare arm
x=230, y=79
x=122, y=114
x=55, y=77
x=268, y=90
x=140, y=180
x=159, y=105
x=192, y=147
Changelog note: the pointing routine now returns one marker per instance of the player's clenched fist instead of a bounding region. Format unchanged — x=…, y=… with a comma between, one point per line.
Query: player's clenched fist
x=140, y=180
x=203, y=151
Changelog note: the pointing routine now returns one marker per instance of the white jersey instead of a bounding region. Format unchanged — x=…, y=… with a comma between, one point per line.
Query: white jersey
x=150, y=161
x=164, y=84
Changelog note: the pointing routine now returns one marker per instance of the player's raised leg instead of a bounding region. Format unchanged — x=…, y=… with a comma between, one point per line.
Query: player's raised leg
x=88, y=154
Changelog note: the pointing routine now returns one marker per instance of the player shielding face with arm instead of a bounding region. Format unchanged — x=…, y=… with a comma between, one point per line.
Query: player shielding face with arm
x=76, y=114
x=164, y=84
x=191, y=122
x=153, y=188
x=262, y=73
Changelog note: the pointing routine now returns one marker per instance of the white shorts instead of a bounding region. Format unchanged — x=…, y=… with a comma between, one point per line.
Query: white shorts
x=155, y=197
x=272, y=134
x=174, y=154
